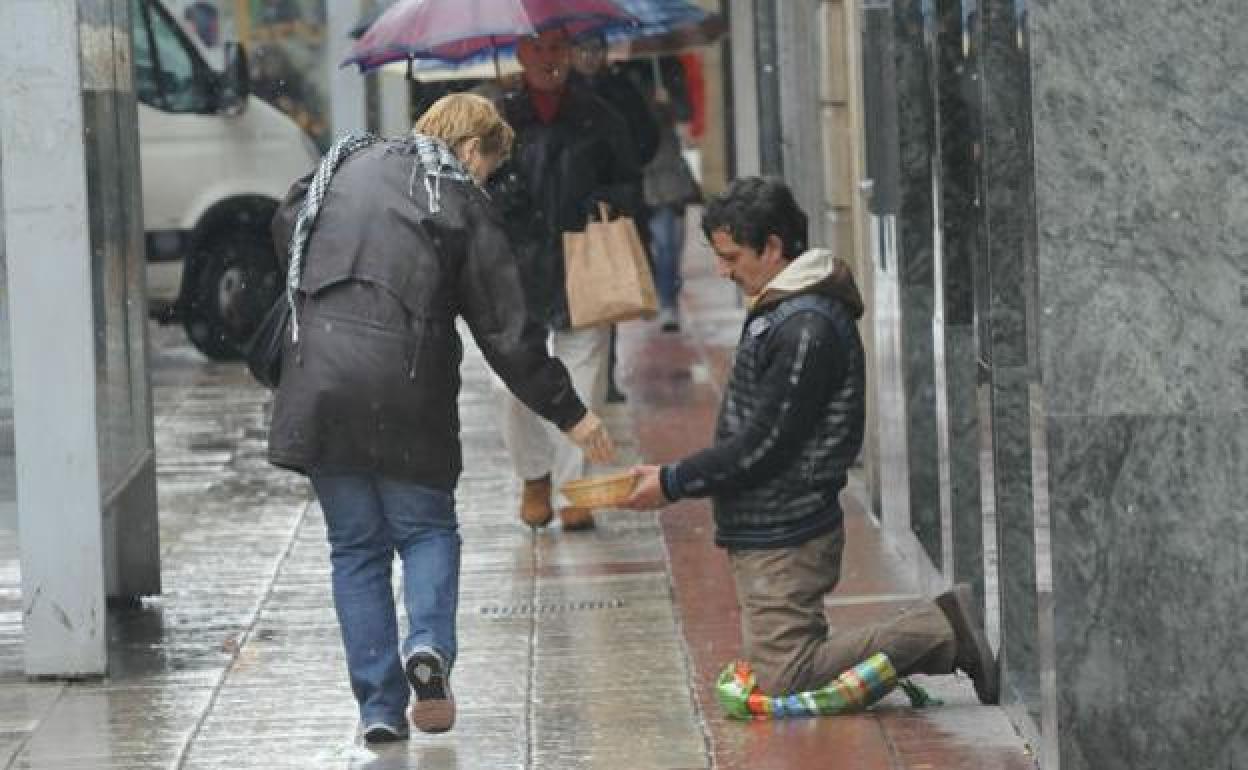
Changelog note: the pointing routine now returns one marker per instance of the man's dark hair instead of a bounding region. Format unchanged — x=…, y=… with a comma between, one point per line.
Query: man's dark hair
x=753, y=208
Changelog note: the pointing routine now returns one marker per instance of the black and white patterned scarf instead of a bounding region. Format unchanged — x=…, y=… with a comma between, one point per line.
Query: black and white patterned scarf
x=434, y=162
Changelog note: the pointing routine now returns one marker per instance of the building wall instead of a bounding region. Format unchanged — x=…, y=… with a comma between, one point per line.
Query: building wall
x=1060, y=286
x=1141, y=316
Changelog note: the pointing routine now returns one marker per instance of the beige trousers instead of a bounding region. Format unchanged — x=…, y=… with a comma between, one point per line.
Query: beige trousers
x=785, y=633
x=536, y=447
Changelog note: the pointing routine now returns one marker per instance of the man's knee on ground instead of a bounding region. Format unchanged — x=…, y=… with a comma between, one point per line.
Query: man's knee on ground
x=775, y=678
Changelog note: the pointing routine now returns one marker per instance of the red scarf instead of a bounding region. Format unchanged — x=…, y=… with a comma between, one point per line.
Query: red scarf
x=546, y=103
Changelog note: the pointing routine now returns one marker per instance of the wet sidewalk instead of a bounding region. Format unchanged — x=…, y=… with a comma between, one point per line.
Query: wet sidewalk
x=578, y=650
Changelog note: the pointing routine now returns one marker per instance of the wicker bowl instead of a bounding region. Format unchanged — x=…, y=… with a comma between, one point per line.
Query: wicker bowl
x=600, y=491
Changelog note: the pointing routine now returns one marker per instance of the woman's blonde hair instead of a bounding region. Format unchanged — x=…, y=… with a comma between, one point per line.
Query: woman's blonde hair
x=461, y=116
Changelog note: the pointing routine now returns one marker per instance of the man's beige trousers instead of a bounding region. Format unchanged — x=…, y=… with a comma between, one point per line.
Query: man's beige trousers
x=785, y=633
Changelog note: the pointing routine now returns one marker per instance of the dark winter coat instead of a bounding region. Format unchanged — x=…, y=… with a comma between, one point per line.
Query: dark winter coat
x=668, y=180
x=790, y=424
x=616, y=87
x=556, y=175
x=372, y=384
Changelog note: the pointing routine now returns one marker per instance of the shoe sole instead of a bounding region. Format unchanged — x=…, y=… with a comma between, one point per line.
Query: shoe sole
x=577, y=523
x=988, y=683
x=537, y=523
x=383, y=734
x=432, y=716
x=434, y=708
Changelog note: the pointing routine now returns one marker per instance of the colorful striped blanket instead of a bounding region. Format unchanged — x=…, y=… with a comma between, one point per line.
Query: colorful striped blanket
x=854, y=690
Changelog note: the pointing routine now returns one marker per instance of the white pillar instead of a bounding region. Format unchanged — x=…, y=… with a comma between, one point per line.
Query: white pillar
x=347, y=112
x=396, y=117
x=744, y=88
x=48, y=252
x=797, y=29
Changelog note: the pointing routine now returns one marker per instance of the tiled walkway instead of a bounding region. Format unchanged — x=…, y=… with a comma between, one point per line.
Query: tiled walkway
x=578, y=650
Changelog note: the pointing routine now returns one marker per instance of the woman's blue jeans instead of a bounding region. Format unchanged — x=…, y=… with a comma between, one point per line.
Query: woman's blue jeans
x=369, y=519
x=667, y=241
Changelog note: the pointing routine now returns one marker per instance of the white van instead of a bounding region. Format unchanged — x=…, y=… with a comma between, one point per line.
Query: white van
x=216, y=162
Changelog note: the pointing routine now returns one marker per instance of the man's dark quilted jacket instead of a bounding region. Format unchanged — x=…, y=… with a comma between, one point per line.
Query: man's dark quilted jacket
x=790, y=424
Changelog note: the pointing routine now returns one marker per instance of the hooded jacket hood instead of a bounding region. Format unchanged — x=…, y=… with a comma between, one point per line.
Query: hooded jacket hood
x=815, y=270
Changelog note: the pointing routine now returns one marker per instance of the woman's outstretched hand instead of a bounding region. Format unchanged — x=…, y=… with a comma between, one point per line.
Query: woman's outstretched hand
x=590, y=434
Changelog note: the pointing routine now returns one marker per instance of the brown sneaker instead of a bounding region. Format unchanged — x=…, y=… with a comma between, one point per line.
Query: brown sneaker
x=974, y=655
x=535, y=507
x=574, y=518
x=432, y=708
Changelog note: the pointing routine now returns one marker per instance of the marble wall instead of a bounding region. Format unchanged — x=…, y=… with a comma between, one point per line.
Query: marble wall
x=1139, y=112
x=1071, y=218
x=1006, y=345
x=917, y=158
x=922, y=104
x=960, y=228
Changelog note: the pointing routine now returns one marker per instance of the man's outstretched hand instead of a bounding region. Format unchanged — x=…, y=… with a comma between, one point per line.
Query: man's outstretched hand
x=647, y=492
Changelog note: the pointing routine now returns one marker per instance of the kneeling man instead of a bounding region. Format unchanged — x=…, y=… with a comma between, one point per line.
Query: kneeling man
x=790, y=426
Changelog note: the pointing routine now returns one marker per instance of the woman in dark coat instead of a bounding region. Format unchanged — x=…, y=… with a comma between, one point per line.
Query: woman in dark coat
x=404, y=242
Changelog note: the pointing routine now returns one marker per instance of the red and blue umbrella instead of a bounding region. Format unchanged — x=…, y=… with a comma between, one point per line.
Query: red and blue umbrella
x=456, y=31
x=666, y=26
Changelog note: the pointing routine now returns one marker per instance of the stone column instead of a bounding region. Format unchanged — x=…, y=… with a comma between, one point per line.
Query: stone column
x=86, y=487
x=49, y=254
x=1006, y=346
x=957, y=83
x=916, y=229
x=884, y=450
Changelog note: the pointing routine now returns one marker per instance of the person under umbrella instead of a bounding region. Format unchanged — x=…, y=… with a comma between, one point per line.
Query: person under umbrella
x=615, y=87
x=571, y=152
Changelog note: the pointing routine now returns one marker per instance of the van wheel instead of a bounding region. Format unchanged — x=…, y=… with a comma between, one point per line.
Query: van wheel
x=235, y=281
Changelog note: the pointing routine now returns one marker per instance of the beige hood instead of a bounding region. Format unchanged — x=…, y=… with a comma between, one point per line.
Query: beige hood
x=814, y=270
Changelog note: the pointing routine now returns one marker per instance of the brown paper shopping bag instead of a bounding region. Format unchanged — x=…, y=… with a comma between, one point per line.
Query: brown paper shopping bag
x=607, y=273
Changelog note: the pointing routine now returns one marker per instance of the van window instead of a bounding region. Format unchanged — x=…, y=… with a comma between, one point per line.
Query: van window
x=167, y=74
x=144, y=64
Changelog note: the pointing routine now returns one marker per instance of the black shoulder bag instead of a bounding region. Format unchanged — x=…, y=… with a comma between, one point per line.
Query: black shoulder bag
x=263, y=349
